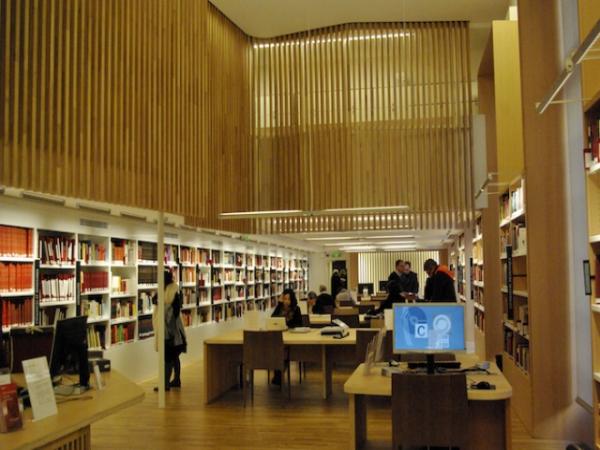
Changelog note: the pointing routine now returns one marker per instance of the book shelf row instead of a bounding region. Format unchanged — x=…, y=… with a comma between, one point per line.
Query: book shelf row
x=47, y=275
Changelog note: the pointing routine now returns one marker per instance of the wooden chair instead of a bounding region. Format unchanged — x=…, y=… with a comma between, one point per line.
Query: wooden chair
x=346, y=303
x=429, y=410
x=328, y=309
x=363, y=309
x=264, y=350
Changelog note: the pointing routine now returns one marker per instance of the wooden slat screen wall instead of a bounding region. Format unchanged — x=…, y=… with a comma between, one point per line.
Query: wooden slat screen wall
x=373, y=267
x=369, y=115
x=106, y=100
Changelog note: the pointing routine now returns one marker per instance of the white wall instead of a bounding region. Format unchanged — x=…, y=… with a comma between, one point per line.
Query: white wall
x=319, y=271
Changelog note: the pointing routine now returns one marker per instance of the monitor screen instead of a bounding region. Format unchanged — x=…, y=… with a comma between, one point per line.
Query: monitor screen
x=429, y=327
x=367, y=286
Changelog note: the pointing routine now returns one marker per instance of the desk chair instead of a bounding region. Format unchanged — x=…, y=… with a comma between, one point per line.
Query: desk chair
x=429, y=410
x=346, y=303
x=327, y=309
x=28, y=343
x=352, y=320
x=264, y=350
x=363, y=309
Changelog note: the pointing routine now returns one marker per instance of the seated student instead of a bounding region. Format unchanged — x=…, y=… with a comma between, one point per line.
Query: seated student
x=344, y=296
x=312, y=299
x=288, y=308
x=394, y=289
x=440, y=284
x=323, y=300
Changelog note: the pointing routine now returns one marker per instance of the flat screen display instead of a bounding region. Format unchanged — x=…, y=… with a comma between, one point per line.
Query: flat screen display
x=432, y=327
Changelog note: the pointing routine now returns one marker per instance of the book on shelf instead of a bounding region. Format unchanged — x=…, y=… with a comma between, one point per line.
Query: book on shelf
x=170, y=253
x=17, y=311
x=16, y=277
x=519, y=238
x=122, y=251
x=517, y=197
x=147, y=275
x=122, y=309
x=56, y=250
x=145, y=328
x=48, y=316
x=120, y=285
x=187, y=318
x=92, y=252
x=92, y=307
x=94, y=281
x=123, y=332
x=188, y=275
x=145, y=303
x=57, y=287
x=16, y=242
x=95, y=337
x=147, y=251
x=188, y=255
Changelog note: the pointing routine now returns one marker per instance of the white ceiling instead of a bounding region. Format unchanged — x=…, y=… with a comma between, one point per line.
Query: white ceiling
x=269, y=18
x=389, y=240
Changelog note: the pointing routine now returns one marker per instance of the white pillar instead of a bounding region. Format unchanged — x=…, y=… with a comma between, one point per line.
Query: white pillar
x=160, y=332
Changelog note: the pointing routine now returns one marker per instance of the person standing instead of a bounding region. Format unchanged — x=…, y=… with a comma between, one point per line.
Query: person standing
x=336, y=283
x=398, y=272
x=175, y=338
x=410, y=282
x=440, y=283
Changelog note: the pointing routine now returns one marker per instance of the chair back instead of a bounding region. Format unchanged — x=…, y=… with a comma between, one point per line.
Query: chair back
x=352, y=321
x=365, y=308
x=264, y=350
x=28, y=343
x=327, y=309
x=346, y=303
x=366, y=335
x=305, y=320
x=429, y=410
x=345, y=311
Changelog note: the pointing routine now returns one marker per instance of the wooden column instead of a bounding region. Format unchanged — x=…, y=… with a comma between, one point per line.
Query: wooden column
x=546, y=214
x=353, y=271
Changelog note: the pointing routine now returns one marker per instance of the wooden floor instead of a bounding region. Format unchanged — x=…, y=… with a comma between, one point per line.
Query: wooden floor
x=271, y=423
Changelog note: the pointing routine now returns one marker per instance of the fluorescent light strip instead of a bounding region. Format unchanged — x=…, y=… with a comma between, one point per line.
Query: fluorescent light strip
x=323, y=212
x=260, y=214
x=333, y=238
x=337, y=244
x=366, y=210
x=329, y=40
x=390, y=237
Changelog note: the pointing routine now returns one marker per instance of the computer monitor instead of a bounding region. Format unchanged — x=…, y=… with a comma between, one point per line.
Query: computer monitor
x=429, y=328
x=70, y=349
x=367, y=286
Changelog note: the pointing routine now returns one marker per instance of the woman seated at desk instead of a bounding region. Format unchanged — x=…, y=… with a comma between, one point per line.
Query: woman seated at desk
x=288, y=308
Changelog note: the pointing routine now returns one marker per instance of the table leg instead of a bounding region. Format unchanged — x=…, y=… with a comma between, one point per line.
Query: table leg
x=358, y=421
x=325, y=372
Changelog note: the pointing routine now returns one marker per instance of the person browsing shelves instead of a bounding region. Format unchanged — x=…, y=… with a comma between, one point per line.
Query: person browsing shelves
x=440, y=283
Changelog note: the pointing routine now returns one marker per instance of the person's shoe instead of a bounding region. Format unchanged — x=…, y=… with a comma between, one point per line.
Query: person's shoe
x=156, y=388
x=175, y=384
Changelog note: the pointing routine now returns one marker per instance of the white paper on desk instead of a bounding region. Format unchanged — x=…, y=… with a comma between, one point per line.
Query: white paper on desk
x=388, y=316
x=39, y=385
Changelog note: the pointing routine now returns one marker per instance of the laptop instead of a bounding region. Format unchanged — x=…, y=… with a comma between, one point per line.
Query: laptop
x=276, y=324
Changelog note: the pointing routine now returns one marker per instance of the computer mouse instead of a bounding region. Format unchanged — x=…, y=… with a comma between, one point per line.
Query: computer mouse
x=483, y=385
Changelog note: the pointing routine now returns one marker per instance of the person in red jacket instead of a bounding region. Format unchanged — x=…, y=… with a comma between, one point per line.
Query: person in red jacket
x=440, y=283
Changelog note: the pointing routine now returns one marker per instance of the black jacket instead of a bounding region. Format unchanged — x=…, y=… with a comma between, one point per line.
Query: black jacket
x=440, y=288
x=336, y=285
x=388, y=303
x=410, y=282
x=323, y=300
x=295, y=320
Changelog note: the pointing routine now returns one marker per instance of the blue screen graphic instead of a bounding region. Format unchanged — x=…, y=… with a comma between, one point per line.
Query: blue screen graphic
x=429, y=328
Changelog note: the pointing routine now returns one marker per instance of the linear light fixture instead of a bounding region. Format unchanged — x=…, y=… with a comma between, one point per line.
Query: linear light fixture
x=322, y=212
x=333, y=238
x=576, y=57
x=398, y=247
x=391, y=237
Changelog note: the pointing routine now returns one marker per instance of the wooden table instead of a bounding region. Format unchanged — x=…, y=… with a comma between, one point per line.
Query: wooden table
x=70, y=428
x=489, y=421
x=223, y=356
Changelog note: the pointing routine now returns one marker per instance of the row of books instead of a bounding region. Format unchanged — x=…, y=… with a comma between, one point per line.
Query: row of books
x=479, y=318
x=187, y=318
x=16, y=277
x=58, y=287
x=145, y=305
x=519, y=238
x=147, y=251
x=228, y=258
x=147, y=275
x=122, y=251
x=188, y=275
x=57, y=250
x=170, y=253
x=92, y=308
x=48, y=316
x=592, y=152
x=122, y=309
x=477, y=273
x=17, y=311
x=95, y=337
x=94, y=281
x=92, y=252
x=145, y=328
x=120, y=285
x=123, y=332
x=517, y=197
x=16, y=241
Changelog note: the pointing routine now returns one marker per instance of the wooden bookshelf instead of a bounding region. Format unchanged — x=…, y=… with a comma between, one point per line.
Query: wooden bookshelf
x=478, y=285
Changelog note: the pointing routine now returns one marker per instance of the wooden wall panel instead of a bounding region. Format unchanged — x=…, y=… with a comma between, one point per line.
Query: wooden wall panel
x=364, y=115
x=589, y=11
x=106, y=100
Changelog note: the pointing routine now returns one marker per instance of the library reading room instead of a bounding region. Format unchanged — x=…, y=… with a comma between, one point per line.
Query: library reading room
x=300, y=224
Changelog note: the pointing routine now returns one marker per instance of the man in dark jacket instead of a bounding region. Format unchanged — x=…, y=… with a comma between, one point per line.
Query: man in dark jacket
x=324, y=303
x=397, y=274
x=440, y=284
x=410, y=282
